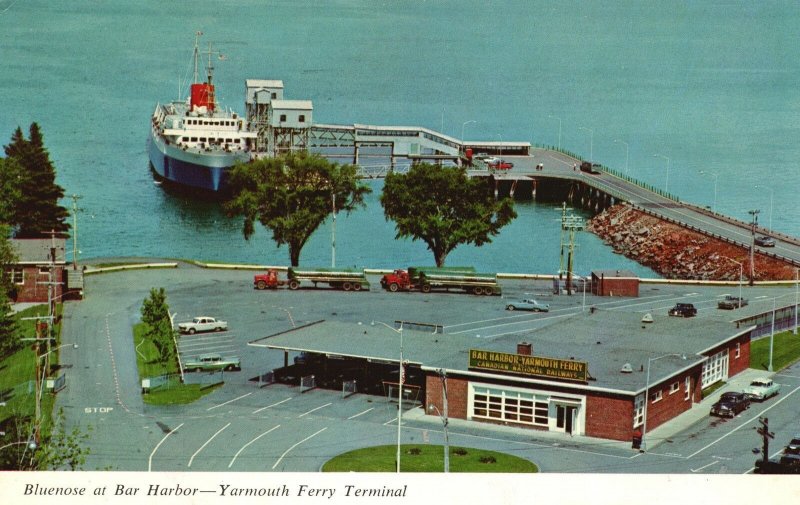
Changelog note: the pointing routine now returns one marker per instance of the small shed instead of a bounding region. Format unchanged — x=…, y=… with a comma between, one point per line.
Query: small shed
x=615, y=283
x=40, y=266
x=291, y=114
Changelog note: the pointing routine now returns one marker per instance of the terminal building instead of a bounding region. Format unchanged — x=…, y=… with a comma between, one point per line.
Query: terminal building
x=589, y=374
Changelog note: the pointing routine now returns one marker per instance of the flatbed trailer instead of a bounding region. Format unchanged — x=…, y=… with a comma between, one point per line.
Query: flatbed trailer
x=347, y=280
x=475, y=283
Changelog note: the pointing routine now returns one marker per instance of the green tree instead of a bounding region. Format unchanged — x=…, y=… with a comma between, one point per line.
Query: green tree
x=36, y=210
x=292, y=195
x=9, y=331
x=10, y=182
x=444, y=208
x=63, y=450
x=155, y=315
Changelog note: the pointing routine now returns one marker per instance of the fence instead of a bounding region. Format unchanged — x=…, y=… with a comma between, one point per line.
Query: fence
x=174, y=381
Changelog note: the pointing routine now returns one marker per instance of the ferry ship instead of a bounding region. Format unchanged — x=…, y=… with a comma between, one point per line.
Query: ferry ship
x=193, y=143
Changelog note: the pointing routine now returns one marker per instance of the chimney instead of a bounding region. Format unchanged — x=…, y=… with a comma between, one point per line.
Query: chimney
x=525, y=348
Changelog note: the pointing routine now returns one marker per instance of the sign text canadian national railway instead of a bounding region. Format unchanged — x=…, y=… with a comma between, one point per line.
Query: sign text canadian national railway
x=537, y=366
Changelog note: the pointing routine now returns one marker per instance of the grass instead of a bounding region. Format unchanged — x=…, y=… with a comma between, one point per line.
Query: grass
x=18, y=372
x=149, y=364
x=428, y=458
x=710, y=389
x=785, y=351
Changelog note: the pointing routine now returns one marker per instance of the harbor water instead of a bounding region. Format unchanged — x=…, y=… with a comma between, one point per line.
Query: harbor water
x=663, y=91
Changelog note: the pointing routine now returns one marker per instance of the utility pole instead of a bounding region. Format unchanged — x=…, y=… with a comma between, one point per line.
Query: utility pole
x=75, y=210
x=571, y=223
x=333, y=230
x=766, y=435
x=753, y=225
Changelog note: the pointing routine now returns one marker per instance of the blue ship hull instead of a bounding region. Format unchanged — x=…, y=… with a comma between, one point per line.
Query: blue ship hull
x=191, y=170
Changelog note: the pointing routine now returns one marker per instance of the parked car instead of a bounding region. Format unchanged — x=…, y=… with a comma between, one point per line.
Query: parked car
x=760, y=389
x=202, y=323
x=591, y=168
x=794, y=445
x=683, y=310
x=500, y=164
x=210, y=362
x=765, y=241
x=528, y=304
x=481, y=156
x=731, y=302
x=730, y=404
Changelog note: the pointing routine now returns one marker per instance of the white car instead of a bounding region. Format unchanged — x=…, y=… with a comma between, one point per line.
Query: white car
x=202, y=323
x=760, y=389
x=528, y=304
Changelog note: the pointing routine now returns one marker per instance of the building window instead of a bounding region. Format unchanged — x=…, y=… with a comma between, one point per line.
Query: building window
x=283, y=117
x=274, y=95
x=638, y=411
x=715, y=369
x=738, y=350
x=687, y=388
x=302, y=118
x=17, y=276
x=513, y=406
x=674, y=387
x=656, y=396
x=44, y=270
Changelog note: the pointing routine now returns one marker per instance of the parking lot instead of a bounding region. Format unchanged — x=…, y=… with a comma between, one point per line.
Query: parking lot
x=244, y=427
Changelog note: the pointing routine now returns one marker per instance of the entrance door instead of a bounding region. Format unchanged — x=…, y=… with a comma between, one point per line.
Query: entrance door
x=565, y=418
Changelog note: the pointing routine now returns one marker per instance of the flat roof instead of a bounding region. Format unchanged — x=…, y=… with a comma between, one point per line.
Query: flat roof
x=292, y=104
x=37, y=250
x=263, y=83
x=605, y=339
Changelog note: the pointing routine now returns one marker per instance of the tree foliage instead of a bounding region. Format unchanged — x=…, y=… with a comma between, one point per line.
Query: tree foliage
x=444, y=208
x=31, y=205
x=9, y=331
x=155, y=315
x=292, y=196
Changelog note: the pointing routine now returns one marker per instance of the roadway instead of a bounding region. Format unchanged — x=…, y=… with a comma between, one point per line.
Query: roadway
x=242, y=427
x=560, y=165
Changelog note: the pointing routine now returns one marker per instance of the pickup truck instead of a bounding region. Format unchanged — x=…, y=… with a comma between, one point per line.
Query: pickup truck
x=731, y=302
x=210, y=362
x=202, y=323
x=761, y=388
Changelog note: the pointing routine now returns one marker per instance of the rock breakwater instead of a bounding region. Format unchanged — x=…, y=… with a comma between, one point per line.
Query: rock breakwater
x=677, y=253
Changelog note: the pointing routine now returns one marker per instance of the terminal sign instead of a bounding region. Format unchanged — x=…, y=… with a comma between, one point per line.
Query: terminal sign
x=538, y=366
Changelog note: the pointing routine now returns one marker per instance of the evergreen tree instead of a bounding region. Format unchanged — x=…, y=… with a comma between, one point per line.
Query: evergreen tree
x=9, y=331
x=36, y=210
x=155, y=315
x=10, y=177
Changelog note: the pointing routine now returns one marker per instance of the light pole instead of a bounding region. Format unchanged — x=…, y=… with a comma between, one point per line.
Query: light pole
x=626, y=153
x=465, y=123
x=445, y=421
x=559, y=130
x=666, y=185
x=584, y=281
x=714, y=175
x=753, y=224
x=771, y=195
x=400, y=380
x=333, y=230
x=796, y=294
x=647, y=393
x=591, y=142
x=741, y=271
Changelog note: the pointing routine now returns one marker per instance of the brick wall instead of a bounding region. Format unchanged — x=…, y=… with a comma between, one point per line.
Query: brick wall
x=618, y=287
x=34, y=288
x=457, y=396
x=609, y=417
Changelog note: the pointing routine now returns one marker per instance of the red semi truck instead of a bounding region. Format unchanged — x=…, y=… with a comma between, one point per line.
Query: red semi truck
x=426, y=279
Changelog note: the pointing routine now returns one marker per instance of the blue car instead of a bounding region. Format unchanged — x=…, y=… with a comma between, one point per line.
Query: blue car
x=528, y=304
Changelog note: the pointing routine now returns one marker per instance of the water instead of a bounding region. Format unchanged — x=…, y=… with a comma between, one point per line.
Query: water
x=709, y=85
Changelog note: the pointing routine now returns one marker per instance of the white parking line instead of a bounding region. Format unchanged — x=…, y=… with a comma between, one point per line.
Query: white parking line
x=270, y=406
x=295, y=445
x=314, y=410
x=250, y=442
x=229, y=401
x=207, y=442
x=744, y=424
x=361, y=414
x=150, y=459
x=695, y=470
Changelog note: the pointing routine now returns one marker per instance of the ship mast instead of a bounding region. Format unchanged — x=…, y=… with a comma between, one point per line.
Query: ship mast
x=197, y=35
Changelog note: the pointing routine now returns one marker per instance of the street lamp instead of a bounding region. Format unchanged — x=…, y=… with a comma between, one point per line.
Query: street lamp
x=591, y=142
x=40, y=380
x=715, y=176
x=400, y=379
x=741, y=270
x=465, y=123
x=753, y=225
x=445, y=421
x=626, y=153
x=666, y=185
x=584, y=280
x=559, y=130
x=771, y=195
x=647, y=393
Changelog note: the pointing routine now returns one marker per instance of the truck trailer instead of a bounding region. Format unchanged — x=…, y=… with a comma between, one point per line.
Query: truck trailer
x=348, y=280
x=426, y=279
